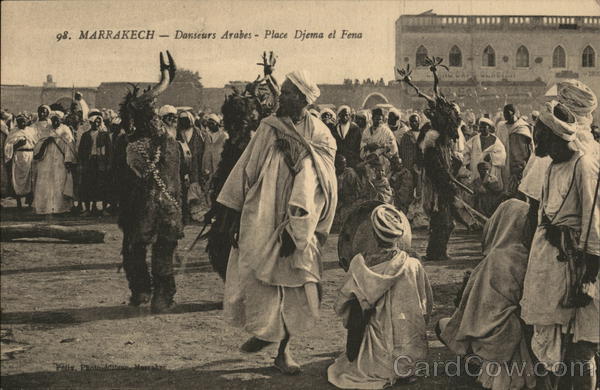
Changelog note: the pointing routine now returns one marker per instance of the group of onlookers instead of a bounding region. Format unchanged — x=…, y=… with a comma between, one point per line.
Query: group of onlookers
x=58, y=162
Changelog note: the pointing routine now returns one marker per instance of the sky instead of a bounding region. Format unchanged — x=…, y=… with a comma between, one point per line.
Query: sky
x=30, y=49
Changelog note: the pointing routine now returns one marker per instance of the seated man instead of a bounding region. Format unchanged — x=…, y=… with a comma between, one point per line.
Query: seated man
x=385, y=304
x=487, y=189
x=378, y=179
x=486, y=322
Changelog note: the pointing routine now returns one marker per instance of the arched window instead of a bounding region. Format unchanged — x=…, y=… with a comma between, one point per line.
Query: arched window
x=421, y=55
x=455, y=56
x=522, y=57
x=489, y=57
x=588, y=58
x=559, y=58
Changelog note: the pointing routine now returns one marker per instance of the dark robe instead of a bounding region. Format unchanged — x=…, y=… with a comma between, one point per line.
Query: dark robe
x=196, y=146
x=95, y=169
x=349, y=146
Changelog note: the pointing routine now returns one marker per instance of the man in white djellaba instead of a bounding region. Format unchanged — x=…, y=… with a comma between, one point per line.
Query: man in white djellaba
x=18, y=150
x=284, y=191
x=53, y=181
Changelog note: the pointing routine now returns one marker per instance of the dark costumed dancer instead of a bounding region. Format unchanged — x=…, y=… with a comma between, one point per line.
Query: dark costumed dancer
x=242, y=113
x=151, y=200
x=439, y=161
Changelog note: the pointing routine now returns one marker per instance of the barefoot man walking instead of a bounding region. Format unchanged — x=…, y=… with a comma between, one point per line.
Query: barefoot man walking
x=283, y=190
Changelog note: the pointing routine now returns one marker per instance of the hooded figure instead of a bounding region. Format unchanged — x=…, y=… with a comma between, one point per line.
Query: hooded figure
x=385, y=304
x=486, y=321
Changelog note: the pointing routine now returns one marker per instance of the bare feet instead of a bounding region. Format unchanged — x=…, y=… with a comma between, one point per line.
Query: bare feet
x=254, y=345
x=286, y=364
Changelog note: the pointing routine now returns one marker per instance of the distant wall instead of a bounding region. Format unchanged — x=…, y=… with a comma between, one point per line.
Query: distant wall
x=51, y=95
x=479, y=96
x=17, y=98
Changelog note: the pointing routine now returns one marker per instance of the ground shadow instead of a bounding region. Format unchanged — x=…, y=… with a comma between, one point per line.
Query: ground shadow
x=66, y=317
x=314, y=376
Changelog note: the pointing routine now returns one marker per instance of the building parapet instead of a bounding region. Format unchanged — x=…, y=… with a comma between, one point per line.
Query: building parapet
x=486, y=22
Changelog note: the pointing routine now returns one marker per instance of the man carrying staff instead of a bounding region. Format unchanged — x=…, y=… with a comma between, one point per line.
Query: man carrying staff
x=562, y=270
x=284, y=192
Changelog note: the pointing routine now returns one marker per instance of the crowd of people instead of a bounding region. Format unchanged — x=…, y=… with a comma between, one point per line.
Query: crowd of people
x=70, y=161
x=532, y=181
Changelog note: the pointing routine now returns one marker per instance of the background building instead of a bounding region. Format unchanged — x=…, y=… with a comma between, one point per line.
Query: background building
x=498, y=59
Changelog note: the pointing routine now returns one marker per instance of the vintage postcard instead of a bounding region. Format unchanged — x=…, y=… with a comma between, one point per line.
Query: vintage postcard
x=299, y=194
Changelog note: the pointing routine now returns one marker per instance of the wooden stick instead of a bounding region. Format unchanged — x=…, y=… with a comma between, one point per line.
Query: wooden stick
x=471, y=209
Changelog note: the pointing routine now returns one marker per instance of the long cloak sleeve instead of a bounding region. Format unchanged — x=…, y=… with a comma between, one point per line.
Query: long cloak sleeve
x=586, y=179
x=306, y=204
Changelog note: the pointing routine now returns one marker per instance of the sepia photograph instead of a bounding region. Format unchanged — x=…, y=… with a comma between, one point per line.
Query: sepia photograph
x=287, y=194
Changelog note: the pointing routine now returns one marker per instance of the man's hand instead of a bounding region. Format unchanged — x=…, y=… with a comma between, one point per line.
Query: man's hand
x=19, y=143
x=287, y=244
x=268, y=63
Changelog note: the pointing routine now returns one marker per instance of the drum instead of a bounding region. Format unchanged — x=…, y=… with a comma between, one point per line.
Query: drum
x=356, y=235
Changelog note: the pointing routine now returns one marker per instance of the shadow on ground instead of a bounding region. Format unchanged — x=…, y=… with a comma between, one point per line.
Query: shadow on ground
x=66, y=317
x=314, y=376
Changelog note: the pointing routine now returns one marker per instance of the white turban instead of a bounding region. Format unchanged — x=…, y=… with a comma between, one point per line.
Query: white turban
x=564, y=130
x=577, y=97
x=167, y=109
x=365, y=114
x=47, y=107
x=214, y=117
x=391, y=225
x=395, y=111
x=302, y=80
x=94, y=113
x=344, y=107
x=486, y=120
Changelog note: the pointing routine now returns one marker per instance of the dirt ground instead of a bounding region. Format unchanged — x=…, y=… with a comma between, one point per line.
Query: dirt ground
x=66, y=324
